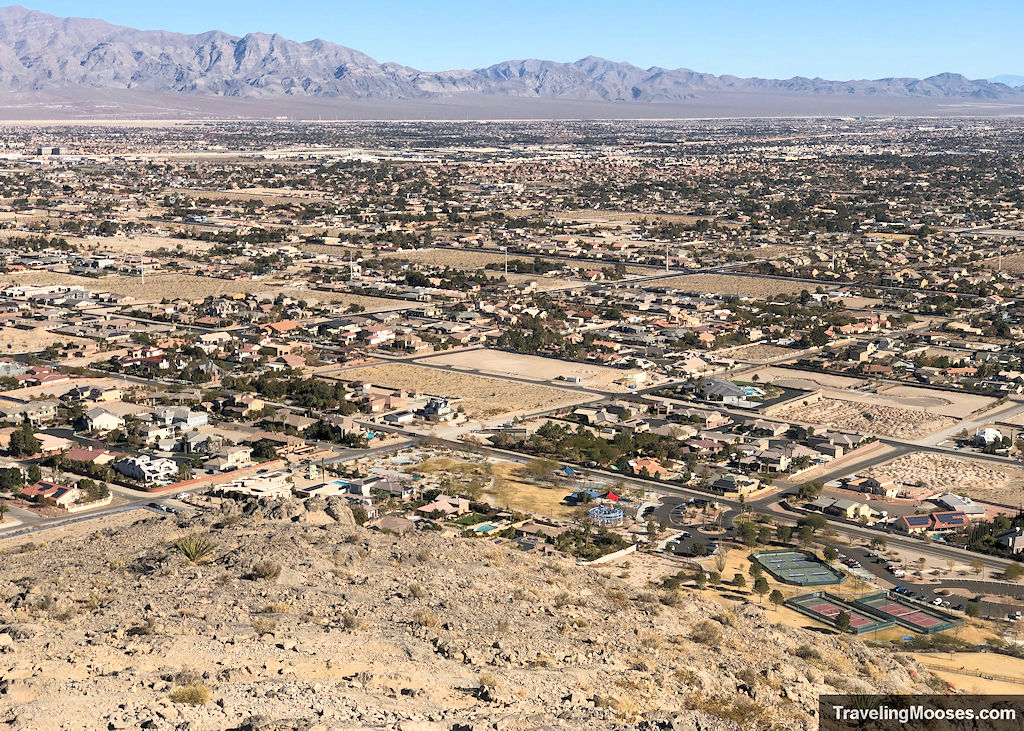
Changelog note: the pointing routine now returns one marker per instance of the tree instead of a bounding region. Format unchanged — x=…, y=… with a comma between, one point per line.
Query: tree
x=1013, y=572
x=811, y=490
x=4, y=507
x=739, y=581
x=755, y=571
x=701, y=579
x=93, y=490
x=714, y=578
x=843, y=621
x=978, y=567
x=971, y=610
x=23, y=441
x=830, y=553
x=878, y=543
x=784, y=533
x=816, y=522
x=264, y=451
x=748, y=534
x=776, y=598
x=11, y=479
x=540, y=467
x=34, y=473
x=761, y=586
x=805, y=534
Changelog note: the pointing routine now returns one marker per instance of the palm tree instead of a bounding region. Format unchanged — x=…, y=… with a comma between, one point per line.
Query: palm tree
x=4, y=508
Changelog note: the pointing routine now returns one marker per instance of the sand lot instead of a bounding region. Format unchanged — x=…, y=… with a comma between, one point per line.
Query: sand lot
x=758, y=353
x=727, y=284
x=480, y=396
x=866, y=418
x=477, y=260
x=177, y=286
x=450, y=257
x=807, y=380
x=122, y=244
x=498, y=363
x=14, y=341
x=983, y=481
x=972, y=664
x=947, y=403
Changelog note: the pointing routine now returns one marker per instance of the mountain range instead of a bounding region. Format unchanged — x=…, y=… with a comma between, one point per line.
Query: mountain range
x=47, y=57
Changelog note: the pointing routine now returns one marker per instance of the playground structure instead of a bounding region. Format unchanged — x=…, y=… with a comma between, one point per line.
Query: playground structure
x=607, y=516
x=798, y=568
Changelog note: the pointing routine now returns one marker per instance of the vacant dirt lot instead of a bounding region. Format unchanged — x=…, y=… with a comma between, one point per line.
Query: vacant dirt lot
x=498, y=363
x=971, y=665
x=449, y=257
x=946, y=403
x=757, y=352
x=474, y=260
x=727, y=284
x=1013, y=263
x=480, y=396
x=14, y=341
x=808, y=380
x=867, y=418
x=983, y=481
x=185, y=286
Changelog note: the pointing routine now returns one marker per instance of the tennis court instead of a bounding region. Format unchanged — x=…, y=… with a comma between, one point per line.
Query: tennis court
x=908, y=614
x=825, y=607
x=797, y=568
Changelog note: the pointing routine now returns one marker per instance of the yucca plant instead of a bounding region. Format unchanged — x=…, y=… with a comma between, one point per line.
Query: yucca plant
x=195, y=548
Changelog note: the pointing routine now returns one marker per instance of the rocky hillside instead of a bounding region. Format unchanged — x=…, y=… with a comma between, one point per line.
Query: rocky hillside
x=294, y=618
x=40, y=52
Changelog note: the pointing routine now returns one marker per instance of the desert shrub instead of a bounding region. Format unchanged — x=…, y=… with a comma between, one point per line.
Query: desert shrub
x=488, y=680
x=707, y=633
x=268, y=570
x=806, y=652
x=263, y=625
x=192, y=695
x=195, y=548
x=352, y=621
x=425, y=618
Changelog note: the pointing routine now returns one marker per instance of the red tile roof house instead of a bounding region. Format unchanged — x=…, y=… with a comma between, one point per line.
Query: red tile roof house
x=60, y=494
x=93, y=456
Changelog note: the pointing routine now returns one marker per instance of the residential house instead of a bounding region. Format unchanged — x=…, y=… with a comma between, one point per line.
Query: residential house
x=98, y=419
x=147, y=469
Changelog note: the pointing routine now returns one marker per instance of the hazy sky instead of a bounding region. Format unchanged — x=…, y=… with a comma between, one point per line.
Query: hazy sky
x=835, y=39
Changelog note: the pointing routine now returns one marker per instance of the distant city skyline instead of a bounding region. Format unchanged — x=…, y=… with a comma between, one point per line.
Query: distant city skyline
x=868, y=39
